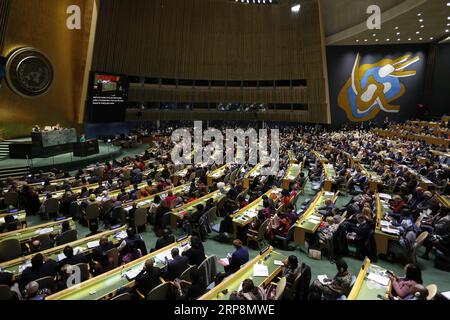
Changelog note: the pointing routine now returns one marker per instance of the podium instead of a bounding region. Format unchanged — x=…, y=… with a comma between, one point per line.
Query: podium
x=84, y=149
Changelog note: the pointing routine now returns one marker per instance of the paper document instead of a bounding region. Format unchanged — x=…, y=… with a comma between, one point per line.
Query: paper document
x=390, y=230
x=260, y=270
x=384, y=281
x=93, y=244
x=446, y=294
x=278, y=263
x=24, y=266
x=45, y=231
x=323, y=279
x=385, y=196
x=162, y=256
x=224, y=262
x=121, y=235
x=60, y=257
x=130, y=275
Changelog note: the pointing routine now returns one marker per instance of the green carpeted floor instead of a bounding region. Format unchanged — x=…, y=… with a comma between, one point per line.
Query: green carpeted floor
x=212, y=247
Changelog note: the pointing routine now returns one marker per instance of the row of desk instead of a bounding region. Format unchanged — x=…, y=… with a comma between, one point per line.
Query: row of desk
x=106, y=285
x=311, y=218
x=26, y=235
x=85, y=246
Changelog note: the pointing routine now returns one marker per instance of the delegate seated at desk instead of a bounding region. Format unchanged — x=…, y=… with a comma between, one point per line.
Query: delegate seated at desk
x=238, y=258
x=177, y=266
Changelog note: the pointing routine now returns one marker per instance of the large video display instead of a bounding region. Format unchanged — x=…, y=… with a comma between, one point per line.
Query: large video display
x=108, y=97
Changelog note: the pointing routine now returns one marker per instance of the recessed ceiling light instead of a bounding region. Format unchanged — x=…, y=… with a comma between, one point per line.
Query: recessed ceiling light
x=448, y=4
x=365, y=40
x=431, y=38
x=420, y=20
x=374, y=35
x=422, y=26
x=396, y=28
x=420, y=39
x=448, y=24
x=398, y=39
x=376, y=40
x=448, y=18
x=419, y=14
x=357, y=40
x=417, y=32
x=388, y=39
x=409, y=39
x=446, y=30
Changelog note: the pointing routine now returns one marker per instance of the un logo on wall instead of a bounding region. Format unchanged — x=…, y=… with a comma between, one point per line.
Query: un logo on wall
x=29, y=72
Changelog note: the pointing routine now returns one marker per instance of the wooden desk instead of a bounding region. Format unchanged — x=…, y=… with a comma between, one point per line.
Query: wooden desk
x=106, y=285
x=19, y=215
x=189, y=208
x=115, y=193
x=247, y=214
x=145, y=202
x=28, y=234
x=252, y=174
x=216, y=174
x=382, y=238
x=311, y=219
x=374, y=178
x=328, y=171
x=291, y=174
x=233, y=282
x=443, y=199
x=16, y=266
x=291, y=156
x=367, y=289
x=180, y=174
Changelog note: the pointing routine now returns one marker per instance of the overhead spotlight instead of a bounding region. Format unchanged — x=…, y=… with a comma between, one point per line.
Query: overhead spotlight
x=431, y=38
x=376, y=40
x=447, y=30
x=409, y=39
x=419, y=14
x=398, y=39
x=396, y=28
x=296, y=8
x=388, y=39
x=417, y=32
x=357, y=40
x=448, y=4
x=365, y=40
x=420, y=39
x=422, y=26
x=374, y=35
x=420, y=20
x=398, y=33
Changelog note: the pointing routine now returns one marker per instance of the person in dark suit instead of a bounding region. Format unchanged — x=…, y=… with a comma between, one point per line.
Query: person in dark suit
x=148, y=278
x=176, y=267
x=40, y=268
x=71, y=258
x=327, y=209
x=196, y=253
x=238, y=258
x=166, y=239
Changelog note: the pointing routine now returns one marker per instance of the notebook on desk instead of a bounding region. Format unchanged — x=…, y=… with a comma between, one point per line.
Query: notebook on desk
x=132, y=274
x=260, y=270
x=93, y=244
